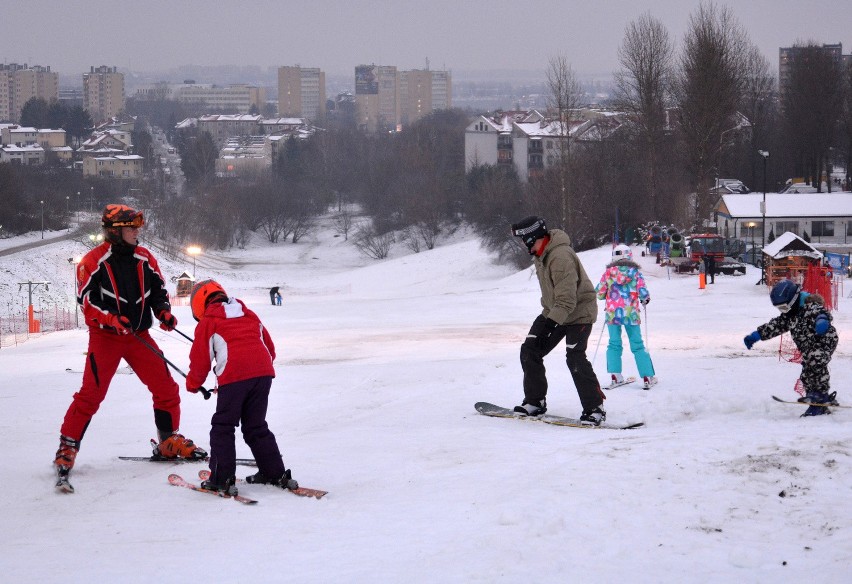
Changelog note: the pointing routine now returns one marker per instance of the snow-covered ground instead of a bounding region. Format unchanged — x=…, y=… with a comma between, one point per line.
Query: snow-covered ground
x=379, y=365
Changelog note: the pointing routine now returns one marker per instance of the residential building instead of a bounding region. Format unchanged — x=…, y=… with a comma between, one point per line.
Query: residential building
x=24, y=145
x=244, y=155
x=237, y=98
x=377, y=98
x=106, y=143
x=223, y=127
x=103, y=92
x=301, y=92
x=27, y=154
x=127, y=166
x=421, y=92
x=531, y=142
x=787, y=55
x=20, y=83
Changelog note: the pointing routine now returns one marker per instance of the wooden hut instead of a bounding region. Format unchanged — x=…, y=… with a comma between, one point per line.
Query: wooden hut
x=184, y=285
x=789, y=256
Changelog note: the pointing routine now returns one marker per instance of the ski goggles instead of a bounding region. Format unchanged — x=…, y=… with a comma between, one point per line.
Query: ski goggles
x=137, y=222
x=785, y=307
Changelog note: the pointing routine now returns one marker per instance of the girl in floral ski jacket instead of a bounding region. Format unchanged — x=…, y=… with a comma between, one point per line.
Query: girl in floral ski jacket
x=623, y=288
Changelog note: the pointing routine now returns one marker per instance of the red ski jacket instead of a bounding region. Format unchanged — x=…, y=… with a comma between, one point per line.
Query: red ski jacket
x=233, y=335
x=120, y=280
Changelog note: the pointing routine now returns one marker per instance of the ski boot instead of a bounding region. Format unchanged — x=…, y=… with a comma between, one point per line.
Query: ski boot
x=229, y=488
x=531, y=407
x=286, y=481
x=818, y=397
x=64, y=462
x=177, y=446
x=616, y=380
x=593, y=417
x=647, y=382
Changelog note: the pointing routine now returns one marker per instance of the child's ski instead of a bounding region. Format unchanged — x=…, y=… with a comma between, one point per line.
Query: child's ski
x=805, y=403
x=178, y=481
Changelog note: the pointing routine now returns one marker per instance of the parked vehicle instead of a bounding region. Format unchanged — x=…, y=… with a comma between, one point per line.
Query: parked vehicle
x=752, y=256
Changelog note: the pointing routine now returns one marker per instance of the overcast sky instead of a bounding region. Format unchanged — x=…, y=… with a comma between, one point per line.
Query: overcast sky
x=460, y=35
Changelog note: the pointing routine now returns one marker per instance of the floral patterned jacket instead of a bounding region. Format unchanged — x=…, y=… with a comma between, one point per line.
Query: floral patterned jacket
x=622, y=286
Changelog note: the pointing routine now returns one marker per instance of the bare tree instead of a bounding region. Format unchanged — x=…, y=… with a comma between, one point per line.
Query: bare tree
x=708, y=90
x=643, y=88
x=372, y=244
x=564, y=97
x=343, y=223
x=758, y=105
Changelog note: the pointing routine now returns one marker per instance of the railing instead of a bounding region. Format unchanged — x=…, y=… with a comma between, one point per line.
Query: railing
x=15, y=328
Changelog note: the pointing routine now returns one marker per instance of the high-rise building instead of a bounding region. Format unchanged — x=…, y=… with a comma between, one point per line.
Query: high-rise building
x=421, y=92
x=20, y=83
x=301, y=92
x=786, y=56
x=103, y=92
x=377, y=98
x=237, y=98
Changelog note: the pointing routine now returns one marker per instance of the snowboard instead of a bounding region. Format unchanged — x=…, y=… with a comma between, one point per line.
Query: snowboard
x=488, y=409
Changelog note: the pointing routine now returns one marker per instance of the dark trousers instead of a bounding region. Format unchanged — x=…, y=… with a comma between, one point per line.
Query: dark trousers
x=243, y=403
x=576, y=340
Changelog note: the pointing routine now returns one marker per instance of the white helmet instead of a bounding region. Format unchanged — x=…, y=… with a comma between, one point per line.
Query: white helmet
x=622, y=252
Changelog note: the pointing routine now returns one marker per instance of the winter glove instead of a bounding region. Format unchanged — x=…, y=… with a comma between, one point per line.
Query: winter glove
x=645, y=300
x=751, y=339
x=191, y=389
x=121, y=324
x=543, y=338
x=821, y=325
x=168, y=322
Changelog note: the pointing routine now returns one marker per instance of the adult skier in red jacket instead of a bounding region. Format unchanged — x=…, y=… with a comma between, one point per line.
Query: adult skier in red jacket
x=119, y=285
x=232, y=335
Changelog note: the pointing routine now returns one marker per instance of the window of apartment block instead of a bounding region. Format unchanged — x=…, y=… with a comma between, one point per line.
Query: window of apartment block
x=785, y=226
x=822, y=228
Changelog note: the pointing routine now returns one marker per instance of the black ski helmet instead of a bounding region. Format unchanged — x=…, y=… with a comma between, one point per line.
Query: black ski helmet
x=530, y=230
x=784, y=295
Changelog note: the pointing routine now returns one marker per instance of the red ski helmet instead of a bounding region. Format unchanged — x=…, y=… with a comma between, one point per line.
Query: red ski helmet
x=202, y=293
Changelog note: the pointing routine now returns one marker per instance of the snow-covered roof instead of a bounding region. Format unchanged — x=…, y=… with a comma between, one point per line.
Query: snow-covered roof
x=738, y=206
x=789, y=244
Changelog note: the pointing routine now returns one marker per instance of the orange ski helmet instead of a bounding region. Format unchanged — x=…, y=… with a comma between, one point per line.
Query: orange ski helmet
x=117, y=216
x=202, y=293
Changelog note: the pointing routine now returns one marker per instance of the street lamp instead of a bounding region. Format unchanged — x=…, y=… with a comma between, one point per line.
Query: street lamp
x=96, y=238
x=765, y=155
x=42, y=219
x=193, y=250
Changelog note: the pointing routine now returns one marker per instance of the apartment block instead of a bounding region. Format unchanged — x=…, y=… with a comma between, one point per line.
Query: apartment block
x=422, y=92
x=20, y=83
x=121, y=166
x=786, y=56
x=377, y=98
x=238, y=98
x=103, y=92
x=301, y=92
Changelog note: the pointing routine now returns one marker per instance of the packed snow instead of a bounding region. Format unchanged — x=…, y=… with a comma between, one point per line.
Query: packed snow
x=379, y=364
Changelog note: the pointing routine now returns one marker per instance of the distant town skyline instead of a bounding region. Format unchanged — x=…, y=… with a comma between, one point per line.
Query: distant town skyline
x=473, y=35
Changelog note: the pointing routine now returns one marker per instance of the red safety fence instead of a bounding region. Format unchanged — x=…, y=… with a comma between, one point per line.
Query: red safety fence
x=16, y=328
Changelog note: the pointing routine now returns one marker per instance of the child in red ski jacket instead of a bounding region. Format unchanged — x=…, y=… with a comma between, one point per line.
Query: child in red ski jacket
x=233, y=336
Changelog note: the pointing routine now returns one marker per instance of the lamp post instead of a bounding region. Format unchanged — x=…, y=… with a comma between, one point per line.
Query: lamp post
x=751, y=226
x=193, y=250
x=765, y=155
x=42, y=219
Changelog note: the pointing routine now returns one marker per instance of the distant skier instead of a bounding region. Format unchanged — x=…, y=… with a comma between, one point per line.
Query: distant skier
x=569, y=312
x=623, y=287
x=273, y=294
x=807, y=319
x=119, y=285
x=234, y=337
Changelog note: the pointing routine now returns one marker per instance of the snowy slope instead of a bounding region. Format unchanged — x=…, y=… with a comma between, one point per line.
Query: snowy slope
x=379, y=365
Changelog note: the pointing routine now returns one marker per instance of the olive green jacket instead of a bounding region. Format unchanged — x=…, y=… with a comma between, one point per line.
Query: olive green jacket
x=567, y=294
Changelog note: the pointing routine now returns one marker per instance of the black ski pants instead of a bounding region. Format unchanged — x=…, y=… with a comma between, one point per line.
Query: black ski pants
x=576, y=340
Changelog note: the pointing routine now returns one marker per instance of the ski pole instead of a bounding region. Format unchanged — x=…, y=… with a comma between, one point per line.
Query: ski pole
x=203, y=391
x=600, y=337
x=647, y=340
x=184, y=335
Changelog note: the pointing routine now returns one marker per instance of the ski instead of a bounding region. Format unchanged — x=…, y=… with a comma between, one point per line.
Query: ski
x=798, y=403
x=627, y=381
x=178, y=481
x=62, y=484
x=488, y=409
x=153, y=458
x=301, y=491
